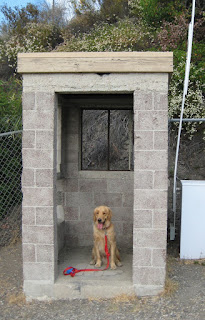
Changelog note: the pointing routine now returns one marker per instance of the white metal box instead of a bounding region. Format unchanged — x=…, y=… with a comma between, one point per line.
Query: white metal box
x=192, y=243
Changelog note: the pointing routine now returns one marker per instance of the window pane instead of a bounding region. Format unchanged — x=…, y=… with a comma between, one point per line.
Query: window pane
x=121, y=140
x=95, y=140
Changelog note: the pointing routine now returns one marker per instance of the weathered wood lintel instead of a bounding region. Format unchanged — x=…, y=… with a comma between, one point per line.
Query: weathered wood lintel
x=95, y=62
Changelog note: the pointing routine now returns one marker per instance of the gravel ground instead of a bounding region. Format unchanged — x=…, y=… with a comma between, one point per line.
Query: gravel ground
x=184, y=297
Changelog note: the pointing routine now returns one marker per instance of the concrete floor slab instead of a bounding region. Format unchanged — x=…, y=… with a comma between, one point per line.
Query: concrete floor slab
x=92, y=284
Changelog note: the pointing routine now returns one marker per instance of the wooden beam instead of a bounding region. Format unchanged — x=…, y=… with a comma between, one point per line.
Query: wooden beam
x=95, y=62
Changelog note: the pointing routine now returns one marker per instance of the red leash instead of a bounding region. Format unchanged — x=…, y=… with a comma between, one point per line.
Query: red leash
x=72, y=271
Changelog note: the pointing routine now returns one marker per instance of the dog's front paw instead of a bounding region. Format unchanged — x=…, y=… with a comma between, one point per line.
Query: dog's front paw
x=98, y=264
x=92, y=262
x=113, y=266
x=119, y=263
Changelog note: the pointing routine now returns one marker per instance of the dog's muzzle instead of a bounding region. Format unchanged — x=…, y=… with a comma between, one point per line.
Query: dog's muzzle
x=100, y=224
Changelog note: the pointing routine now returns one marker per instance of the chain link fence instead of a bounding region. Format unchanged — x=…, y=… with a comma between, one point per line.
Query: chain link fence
x=10, y=179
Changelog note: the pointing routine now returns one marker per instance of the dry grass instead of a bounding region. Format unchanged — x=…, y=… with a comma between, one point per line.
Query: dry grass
x=116, y=302
x=136, y=303
x=170, y=287
x=15, y=238
x=170, y=262
x=200, y=262
x=90, y=299
x=17, y=299
x=124, y=298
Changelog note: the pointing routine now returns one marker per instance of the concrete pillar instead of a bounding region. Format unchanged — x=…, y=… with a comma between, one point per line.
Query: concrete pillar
x=38, y=186
x=150, y=191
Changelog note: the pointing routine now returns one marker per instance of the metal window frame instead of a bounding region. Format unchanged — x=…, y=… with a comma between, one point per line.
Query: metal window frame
x=108, y=148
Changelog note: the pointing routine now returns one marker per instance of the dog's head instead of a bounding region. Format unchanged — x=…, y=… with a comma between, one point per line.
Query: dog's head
x=102, y=217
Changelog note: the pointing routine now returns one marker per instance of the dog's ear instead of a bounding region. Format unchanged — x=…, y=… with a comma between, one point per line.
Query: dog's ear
x=109, y=213
x=95, y=214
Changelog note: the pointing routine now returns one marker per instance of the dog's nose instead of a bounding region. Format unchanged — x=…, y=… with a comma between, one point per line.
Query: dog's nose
x=99, y=220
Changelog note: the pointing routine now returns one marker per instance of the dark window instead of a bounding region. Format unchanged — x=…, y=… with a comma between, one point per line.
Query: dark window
x=107, y=139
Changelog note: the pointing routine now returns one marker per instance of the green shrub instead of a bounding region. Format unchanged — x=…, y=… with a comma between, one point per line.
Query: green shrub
x=94, y=12
x=10, y=98
x=10, y=145
x=154, y=12
x=10, y=171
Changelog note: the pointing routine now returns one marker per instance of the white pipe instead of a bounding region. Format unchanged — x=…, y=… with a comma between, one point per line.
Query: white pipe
x=186, y=80
x=187, y=120
x=10, y=133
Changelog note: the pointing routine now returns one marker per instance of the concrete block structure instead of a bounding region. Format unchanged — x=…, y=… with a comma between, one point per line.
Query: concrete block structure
x=59, y=197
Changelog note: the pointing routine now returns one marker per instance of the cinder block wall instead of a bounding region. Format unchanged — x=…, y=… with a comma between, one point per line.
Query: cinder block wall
x=81, y=191
x=39, y=176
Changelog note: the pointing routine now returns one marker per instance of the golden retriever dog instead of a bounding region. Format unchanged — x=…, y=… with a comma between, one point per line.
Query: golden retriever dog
x=103, y=225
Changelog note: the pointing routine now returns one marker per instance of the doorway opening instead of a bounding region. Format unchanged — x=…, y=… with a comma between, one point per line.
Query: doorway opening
x=95, y=167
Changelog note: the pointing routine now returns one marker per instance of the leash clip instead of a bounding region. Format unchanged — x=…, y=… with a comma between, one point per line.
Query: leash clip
x=68, y=271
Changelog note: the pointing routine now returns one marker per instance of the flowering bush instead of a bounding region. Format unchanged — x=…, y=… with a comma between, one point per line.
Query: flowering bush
x=172, y=34
x=126, y=35
x=39, y=37
x=194, y=103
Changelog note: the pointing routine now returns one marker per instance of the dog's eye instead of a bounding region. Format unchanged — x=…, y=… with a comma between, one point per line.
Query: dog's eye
x=104, y=212
x=97, y=212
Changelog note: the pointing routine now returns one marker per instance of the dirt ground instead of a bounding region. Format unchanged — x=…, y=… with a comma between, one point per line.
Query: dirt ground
x=184, y=297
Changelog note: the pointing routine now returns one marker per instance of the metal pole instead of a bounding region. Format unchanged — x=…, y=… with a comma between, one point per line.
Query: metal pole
x=53, y=12
x=186, y=80
x=10, y=133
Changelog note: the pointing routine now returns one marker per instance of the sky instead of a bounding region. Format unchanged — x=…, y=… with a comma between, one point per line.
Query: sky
x=23, y=3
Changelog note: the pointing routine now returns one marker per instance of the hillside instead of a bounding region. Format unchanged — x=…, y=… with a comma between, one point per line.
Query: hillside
x=112, y=25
